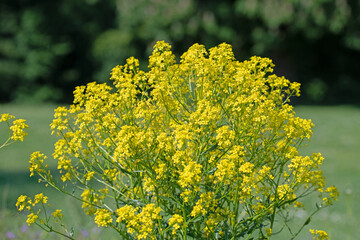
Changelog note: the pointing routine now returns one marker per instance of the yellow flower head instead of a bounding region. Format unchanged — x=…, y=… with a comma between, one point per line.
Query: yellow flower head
x=18, y=130
x=103, y=217
x=6, y=117
x=57, y=213
x=40, y=198
x=176, y=221
x=319, y=234
x=32, y=218
x=21, y=202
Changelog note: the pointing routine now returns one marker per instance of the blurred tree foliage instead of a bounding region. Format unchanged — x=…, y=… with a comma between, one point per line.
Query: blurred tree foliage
x=45, y=46
x=48, y=47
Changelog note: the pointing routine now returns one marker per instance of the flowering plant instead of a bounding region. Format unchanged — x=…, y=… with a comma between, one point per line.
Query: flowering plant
x=16, y=129
x=202, y=149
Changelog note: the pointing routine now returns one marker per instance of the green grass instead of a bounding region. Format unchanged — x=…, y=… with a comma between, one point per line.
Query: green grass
x=336, y=136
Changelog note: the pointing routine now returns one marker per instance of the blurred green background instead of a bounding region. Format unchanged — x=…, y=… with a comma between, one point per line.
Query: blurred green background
x=49, y=47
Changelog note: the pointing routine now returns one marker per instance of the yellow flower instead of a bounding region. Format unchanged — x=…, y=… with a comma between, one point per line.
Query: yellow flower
x=89, y=198
x=36, y=163
x=207, y=202
x=89, y=175
x=40, y=198
x=103, y=217
x=18, y=130
x=21, y=202
x=142, y=223
x=125, y=213
x=31, y=218
x=57, y=214
x=111, y=173
x=149, y=185
x=190, y=175
x=6, y=117
x=225, y=136
x=66, y=177
x=319, y=234
x=284, y=192
x=333, y=195
x=268, y=231
x=175, y=221
x=247, y=167
x=17, y=127
x=160, y=170
x=225, y=170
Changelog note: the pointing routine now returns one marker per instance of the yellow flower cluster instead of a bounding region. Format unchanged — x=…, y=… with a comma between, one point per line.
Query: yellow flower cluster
x=16, y=128
x=39, y=214
x=37, y=163
x=319, y=234
x=203, y=147
x=25, y=203
x=207, y=202
x=93, y=198
x=103, y=217
x=143, y=223
x=176, y=221
x=57, y=214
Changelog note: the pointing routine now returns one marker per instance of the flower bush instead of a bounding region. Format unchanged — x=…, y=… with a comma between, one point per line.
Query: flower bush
x=206, y=148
